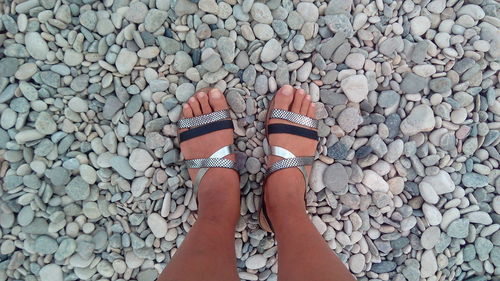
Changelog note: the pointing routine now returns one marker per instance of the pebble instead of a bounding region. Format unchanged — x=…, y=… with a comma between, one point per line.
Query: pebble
x=421, y=119
x=405, y=93
x=335, y=178
x=374, y=181
x=271, y=50
x=255, y=262
x=158, y=225
x=51, y=272
x=355, y=87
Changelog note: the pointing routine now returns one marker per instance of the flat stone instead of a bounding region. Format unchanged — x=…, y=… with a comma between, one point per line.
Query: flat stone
x=432, y=214
x=430, y=237
x=337, y=151
x=374, y=181
x=355, y=87
x=184, y=92
x=78, y=189
x=51, y=272
x=271, y=50
x=236, y=101
x=458, y=228
x=154, y=20
x=474, y=180
x=420, y=119
x=158, y=225
x=412, y=83
x=36, y=45
x=261, y=13
x=126, y=61
x=428, y=264
x=137, y=12
x=45, y=245
x=121, y=165
x=72, y=57
x=140, y=159
x=349, y=119
x=335, y=178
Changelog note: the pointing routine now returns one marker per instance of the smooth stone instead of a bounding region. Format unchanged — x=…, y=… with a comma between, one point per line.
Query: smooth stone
x=357, y=263
x=184, y=92
x=420, y=119
x=474, y=180
x=78, y=105
x=374, y=181
x=51, y=272
x=271, y=50
x=158, y=225
x=126, y=61
x=442, y=182
x=430, y=237
x=355, y=87
x=140, y=159
x=458, y=228
x=236, y=101
x=428, y=264
x=154, y=20
x=419, y=25
x=36, y=45
x=45, y=245
x=412, y=83
x=121, y=165
x=432, y=214
x=72, y=57
x=335, y=178
x=78, y=189
x=261, y=13
x=255, y=262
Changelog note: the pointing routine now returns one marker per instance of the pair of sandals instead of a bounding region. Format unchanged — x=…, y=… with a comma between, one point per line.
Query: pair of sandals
x=220, y=120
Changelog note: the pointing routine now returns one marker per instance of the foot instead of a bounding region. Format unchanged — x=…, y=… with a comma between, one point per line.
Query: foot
x=217, y=199
x=285, y=188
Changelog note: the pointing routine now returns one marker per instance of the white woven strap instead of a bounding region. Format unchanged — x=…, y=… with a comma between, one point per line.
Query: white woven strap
x=204, y=119
x=294, y=118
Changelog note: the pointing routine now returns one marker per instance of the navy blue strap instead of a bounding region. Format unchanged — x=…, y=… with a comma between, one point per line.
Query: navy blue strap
x=294, y=130
x=205, y=129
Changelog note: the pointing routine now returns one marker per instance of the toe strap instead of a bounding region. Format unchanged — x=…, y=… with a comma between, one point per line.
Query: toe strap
x=204, y=119
x=294, y=118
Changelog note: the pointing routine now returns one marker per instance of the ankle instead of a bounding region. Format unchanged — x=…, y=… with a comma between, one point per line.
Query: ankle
x=219, y=201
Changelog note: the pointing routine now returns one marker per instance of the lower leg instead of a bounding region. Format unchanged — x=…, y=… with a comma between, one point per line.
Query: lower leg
x=303, y=254
x=208, y=251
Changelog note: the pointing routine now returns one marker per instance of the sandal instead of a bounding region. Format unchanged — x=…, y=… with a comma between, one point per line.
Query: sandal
x=289, y=160
x=202, y=125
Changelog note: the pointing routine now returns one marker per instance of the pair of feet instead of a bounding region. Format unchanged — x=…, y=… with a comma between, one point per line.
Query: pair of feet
x=284, y=190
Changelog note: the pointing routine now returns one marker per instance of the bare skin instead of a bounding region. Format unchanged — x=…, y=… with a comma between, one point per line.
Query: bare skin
x=208, y=252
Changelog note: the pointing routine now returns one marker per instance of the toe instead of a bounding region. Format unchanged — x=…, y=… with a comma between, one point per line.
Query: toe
x=297, y=100
x=195, y=106
x=311, y=112
x=284, y=97
x=187, y=112
x=217, y=100
x=306, y=102
x=203, y=100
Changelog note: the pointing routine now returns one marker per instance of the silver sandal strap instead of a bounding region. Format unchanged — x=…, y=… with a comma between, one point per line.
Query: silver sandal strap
x=210, y=163
x=290, y=163
x=294, y=117
x=203, y=119
x=216, y=160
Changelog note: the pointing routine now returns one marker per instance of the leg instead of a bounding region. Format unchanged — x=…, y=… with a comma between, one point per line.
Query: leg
x=208, y=251
x=303, y=254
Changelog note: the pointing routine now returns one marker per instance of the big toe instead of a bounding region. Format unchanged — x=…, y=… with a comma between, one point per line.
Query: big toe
x=284, y=97
x=217, y=100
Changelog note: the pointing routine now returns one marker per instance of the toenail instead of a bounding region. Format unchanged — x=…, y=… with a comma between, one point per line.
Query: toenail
x=201, y=94
x=192, y=99
x=286, y=92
